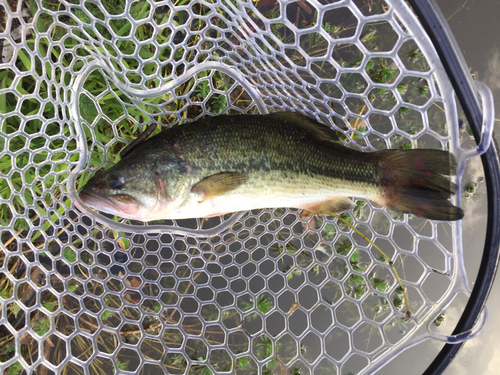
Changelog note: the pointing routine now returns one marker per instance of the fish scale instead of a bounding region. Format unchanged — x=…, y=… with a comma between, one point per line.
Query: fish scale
x=267, y=145
x=233, y=163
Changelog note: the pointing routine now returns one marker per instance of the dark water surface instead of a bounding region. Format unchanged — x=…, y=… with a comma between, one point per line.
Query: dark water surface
x=475, y=26
x=477, y=30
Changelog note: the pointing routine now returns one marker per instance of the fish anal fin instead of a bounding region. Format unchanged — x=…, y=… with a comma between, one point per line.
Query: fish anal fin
x=216, y=215
x=219, y=184
x=335, y=205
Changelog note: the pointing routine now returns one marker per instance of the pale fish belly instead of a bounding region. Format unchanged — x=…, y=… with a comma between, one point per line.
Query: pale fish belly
x=275, y=189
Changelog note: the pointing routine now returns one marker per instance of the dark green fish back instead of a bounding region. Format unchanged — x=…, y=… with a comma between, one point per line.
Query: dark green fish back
x=244, y=143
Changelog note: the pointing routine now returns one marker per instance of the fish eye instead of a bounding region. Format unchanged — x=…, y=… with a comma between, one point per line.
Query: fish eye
x=116, y=180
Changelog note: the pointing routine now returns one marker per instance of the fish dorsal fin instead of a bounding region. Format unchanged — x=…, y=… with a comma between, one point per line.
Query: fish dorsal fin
x=141, y=138
x=320, y=131
x=219, y=184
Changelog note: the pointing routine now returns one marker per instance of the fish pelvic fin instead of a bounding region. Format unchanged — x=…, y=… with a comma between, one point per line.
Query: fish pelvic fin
x=415, y=182
x=219, y=184
x=335, y=205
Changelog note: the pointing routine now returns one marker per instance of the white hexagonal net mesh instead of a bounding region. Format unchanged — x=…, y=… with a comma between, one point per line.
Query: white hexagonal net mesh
x=261, y=292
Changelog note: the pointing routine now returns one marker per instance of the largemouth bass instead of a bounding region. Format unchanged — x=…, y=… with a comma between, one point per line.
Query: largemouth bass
x=236, y=163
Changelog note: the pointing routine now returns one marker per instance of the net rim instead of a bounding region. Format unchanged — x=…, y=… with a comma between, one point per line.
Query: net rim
x=436, y=27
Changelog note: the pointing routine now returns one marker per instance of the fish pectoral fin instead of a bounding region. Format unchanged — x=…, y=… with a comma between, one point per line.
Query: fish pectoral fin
x=219, y=184
x=335, y=205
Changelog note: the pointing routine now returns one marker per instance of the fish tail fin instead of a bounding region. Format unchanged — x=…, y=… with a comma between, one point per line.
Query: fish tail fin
x=415, y=182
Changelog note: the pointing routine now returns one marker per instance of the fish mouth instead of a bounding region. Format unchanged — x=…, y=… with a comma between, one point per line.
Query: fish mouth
x=102, y=204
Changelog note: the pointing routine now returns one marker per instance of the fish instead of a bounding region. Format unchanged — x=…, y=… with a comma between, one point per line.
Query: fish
x=229, y=163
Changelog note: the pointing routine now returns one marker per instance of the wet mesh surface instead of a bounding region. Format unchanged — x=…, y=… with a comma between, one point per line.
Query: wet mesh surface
x=265, y=292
